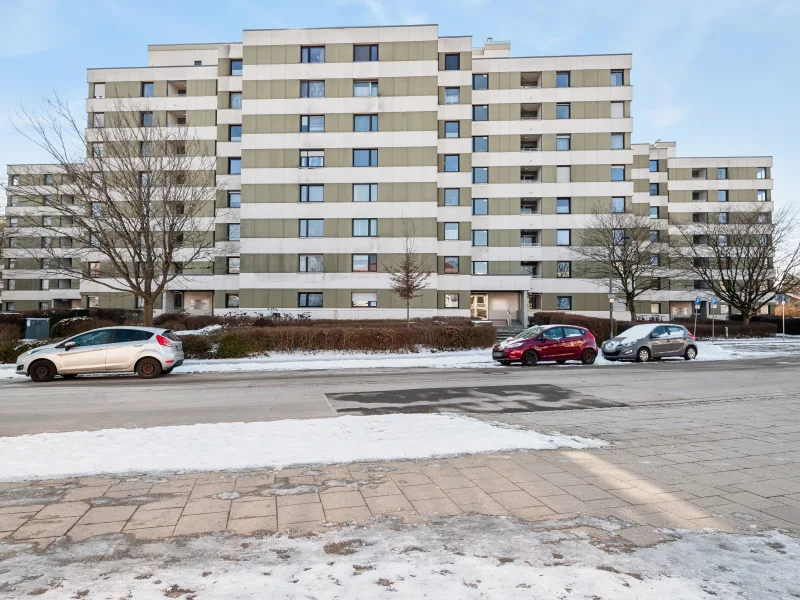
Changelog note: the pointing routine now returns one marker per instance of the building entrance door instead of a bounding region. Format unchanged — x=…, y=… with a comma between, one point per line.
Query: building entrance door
x=479, y=306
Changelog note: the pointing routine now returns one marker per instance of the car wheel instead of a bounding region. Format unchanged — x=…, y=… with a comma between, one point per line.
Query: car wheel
x=588, y=356
x=529, y=359
x=71, y=376
x=42, y=371
x=148, y=368
x=691, y=353
x=560, y=362
x=643, y=355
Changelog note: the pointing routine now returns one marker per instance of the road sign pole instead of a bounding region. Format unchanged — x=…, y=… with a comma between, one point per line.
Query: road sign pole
x=783, y=316
x=696, y=311
x=712, y=323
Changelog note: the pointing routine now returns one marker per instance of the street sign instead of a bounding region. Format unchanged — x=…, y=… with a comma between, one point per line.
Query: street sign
x=713, y=301
x=783, y=299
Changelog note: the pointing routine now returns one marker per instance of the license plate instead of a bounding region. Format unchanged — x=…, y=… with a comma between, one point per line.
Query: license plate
x=498, y=355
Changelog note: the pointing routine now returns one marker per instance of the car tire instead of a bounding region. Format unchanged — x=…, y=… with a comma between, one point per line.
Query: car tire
x=148, y=368
x=560, y=362
x=530, y=358
x=690, y=354
x=42, y=371
x=588, y=357
x=643, y=355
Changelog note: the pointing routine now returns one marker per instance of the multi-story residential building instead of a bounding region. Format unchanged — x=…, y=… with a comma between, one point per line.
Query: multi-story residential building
x=332, y=143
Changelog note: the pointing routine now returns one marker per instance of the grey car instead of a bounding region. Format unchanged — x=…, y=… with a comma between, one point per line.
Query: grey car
x=653, y=341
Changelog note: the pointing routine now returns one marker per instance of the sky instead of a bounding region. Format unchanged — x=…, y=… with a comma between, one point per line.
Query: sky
x=719, y=77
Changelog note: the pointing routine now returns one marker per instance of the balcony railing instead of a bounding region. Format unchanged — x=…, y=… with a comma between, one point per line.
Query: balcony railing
x=531, y=117
x=530, y=86
x=529, y=149
x=529, y=180
x=529, y=243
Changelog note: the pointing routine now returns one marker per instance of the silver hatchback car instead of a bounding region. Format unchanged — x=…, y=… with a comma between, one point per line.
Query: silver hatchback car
x=147, y=351
x=653, y=341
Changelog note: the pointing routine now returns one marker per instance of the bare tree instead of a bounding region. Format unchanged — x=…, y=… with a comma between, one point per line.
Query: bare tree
x=408, y=275
x=744, y=257
x=131, y=202
x=3, y=241
x=620, y=248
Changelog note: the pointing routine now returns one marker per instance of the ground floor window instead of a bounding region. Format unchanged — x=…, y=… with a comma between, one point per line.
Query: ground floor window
x=564, y=302
x=655, y=308
x=92, y=301
x=451, y=300
x=364, y=299
x=534, y=301
x=309, y=299
x=177, y=301
x=231, y=300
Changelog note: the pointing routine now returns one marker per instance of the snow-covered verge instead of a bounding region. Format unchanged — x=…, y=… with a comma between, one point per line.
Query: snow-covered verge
x=464, y=557
x=220, y=446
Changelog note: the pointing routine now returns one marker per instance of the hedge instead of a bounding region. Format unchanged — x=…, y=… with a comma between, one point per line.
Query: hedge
x=114, y=315
x=792, y=323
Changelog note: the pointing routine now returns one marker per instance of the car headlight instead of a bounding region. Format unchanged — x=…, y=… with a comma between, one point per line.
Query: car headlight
x=517, y=345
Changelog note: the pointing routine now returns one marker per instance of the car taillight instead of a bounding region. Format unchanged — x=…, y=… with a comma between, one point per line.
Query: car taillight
x=691, y=336
x=590, y=334
x=163, y=341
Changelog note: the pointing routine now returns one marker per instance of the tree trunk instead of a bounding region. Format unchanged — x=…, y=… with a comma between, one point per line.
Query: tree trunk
x=745, y=319
x=147, y=312
x=408, y=312
x=631, y=308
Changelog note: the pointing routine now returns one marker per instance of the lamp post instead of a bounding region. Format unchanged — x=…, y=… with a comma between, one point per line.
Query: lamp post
x=611, y=300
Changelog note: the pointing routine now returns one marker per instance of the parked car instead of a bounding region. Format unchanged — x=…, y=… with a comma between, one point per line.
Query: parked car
x=147, y=351
x=652, y=341
x=547, y=343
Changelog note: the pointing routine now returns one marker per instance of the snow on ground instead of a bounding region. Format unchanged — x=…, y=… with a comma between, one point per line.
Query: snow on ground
x=464, y=557
x=202, y=331
x=220, y=446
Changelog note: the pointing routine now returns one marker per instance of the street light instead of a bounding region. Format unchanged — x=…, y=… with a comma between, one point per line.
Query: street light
x=611, y=300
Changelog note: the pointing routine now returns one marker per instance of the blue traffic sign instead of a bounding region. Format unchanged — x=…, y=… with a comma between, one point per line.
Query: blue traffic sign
x=713, y=302
x=697, y=301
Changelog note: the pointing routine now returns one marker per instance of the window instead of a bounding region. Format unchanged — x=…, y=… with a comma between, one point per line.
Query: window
x=365, y=263
x=564, y=269
x=480, y=143
x=365, y=158
x=147, y=119
x=562, y=142
x=145, y=149
x=564, y=302
x=761, y=173
x=617, y=110
x=617, y=141
x=563, y=174
x=529, y=268
x=480, y=174
x=617, y=78
x=99, y=90
x=312, y=89
x=365, y=192
x=310, y=263
x=312, y=193
x=309, y=300
x=563, y=206
x=654, y=212
x=234, y=133
x=617, y=172
x=98, y=149
x=452, y=95
x=97, y=209
x=451, y=163
x=234, y=199
x=147, y=90
x=654, y=166
x=233, y=264
x=562, y=79
x=365, y=53
x=311, y=159
x=761, y=195
x=722, y=195
x=15, y=199
x=312, y=54
x=723, y=240
x=451, y=231
x=234, y=232
x=617, y=205
x=655, y=260
x=236, y=66
x=44, y=306
x=231, y=300
x=722, y=173
x=48, y=179
x=365, y=227
x=451, y=129
x=655, y=308
x=47, y=200
x=11, y=263
x=235, y=100
x=364, y=299
x=654, y=189
x=451, y=300
x=655, y=235
x=480, y=82
x=451, y=265
x=64, y=284
x=11, y=284
x=312, y=123
x=198, y=63
x=563, y=237
x=480, y=237
x=15, y=179
x=480, y=267
x=451, y=197
x=92, y=301
x=452, y=62
x=311, y=228
x=480, y=112
x=365, y=88
x=763, y=218
x=480, y=206
x=234, y=166
x=722, y=218
x=365, y=123
x=618, y=236
x=98, y=120
x=562, y=111
x=94, y=269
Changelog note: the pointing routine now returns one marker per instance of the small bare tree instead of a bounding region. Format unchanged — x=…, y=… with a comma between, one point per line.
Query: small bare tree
x=744, y=257
x=131, y=202
x=619, y=247
x=3, y=241
x=408, y=275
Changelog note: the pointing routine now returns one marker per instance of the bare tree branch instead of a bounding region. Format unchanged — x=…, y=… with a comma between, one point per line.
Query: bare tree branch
x=408, y=276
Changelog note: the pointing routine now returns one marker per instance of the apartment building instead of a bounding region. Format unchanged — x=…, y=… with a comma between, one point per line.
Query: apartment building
x=332, y=145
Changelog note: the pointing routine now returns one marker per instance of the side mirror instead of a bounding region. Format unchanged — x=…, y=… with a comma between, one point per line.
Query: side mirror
x=655, y=335
x=70, y=345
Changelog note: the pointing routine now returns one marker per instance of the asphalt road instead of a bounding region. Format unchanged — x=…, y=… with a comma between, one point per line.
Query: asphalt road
x=125, y=401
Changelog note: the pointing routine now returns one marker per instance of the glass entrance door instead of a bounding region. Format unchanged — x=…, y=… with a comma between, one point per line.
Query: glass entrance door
x=479, y=306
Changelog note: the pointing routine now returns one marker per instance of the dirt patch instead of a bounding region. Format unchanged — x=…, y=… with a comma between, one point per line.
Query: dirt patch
x=344, y=547
x=359, y=569
x=176, y=592
x=384, y=582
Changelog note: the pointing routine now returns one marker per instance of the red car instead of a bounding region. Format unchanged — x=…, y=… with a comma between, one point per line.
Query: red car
x=546, y=343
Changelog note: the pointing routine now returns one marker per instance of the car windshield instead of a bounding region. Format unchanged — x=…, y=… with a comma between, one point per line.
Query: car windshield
x=636, y=332
x=529, y=333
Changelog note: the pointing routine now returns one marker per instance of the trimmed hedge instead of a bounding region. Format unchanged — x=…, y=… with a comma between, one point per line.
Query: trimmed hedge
x=11, y=350
x=112, y=315
x=792, y=323
x=69, y=327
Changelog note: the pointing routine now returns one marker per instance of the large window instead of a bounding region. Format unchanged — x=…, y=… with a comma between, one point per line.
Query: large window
x=564, y=269
x=562, y=79
x=451, y=129
x=365, y=88
x=364, y=299
x=365, y=263
x=617, y=78
x=312, y=89
x=309, y=299
x=147, y=89
x=451, y=163
x=310, y=263
x=365, y=53
x=312, y=54
x=617, y=205
x=722, y=195
x=562, y=142
x=655, y=236
x=617, y=172
x=234, y=232
x=236, y=66
x=563, y=237
x=480, y=143
x=563, y=174
x=654, y=212
x=365, y=192
x=233, y=265
x=761, y=195
x=312, y=123
x=654, y=166
x=365, y=227
x=99, y=90
x=480, y=174
x=365, y=158
x=365, y=123
x=761, y=173
x=563, y=206
x=480, y=81
x=480, y=112
x=311, y=159
x=562, y=111
x=480, y=206
x=451, y=231
x=617, y=110
x=452, y=95
x=564, y=302
x=451, y=265
x=99, y=120
x=311, y=228
x=234, y=133
x=235, y=100
x=452, y=62
x=451, y=197
x=617, y=141
x=480, y=237
x=451, y=300
x=234, y=166
x=480, y=267
x=654, y=189
x=312, y=193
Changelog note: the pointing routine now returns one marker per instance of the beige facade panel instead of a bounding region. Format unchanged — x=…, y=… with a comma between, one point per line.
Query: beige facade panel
x=335, y=228
x=332, y=298
x=341, y=52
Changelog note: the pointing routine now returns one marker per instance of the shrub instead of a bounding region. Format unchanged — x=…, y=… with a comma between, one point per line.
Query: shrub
x=792, y=323
x=197, y=346
x=11, y=350
x=187, y=322
x=9, y=332
x=69, y=327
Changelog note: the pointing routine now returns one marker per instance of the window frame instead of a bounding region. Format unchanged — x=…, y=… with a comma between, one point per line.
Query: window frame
x=485, y=202
x=479, y=262
x=373, y=122
x=151, y=89
x=303, y=263
x=306, y=124
x=448, y=300
x=308, y=86
x=457, y=194
x=722, y=171
x=373, y=86
x=307, y=223
x=656, y=187
x=480, y=107
x=650, y=165
x=563, y=137
x=562, y=273
x=475, y=178
x=617, y=136
x=561, y=76
x=559, y=204
x=228, y=231
x=232, y=137
x=373, y=154
x=613, y=79
x=233, y=69
x=450, y=266
x=475, y=147
x=445, y=230
x=372, y=191
x=457, y=126
x=481, y=233
x=372, y=228
x=305, y=54
x=236, y=270
x=372, y=52
x=231, y=103
x=232, y=161
x=230, y=194
x=563, y=106
x=457, y=96
x=480, y=77
x=560, y=301
x=309, y=156
x=447, y=165
x=307, y=188
x=568, y=233
x=448, y=61
x=722, y=196
x=371, y=263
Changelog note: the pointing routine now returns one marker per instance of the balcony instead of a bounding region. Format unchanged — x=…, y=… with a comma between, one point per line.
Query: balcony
x=528, y=175
x=531, y=269
x=531, y=112
x=530, y=206
x=176, y=88
x=530, y=239
x=699, y=175
x=530, y=80
x=529, y=143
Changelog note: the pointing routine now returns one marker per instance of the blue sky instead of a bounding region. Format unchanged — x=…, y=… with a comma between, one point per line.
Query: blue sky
x=719, y=77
